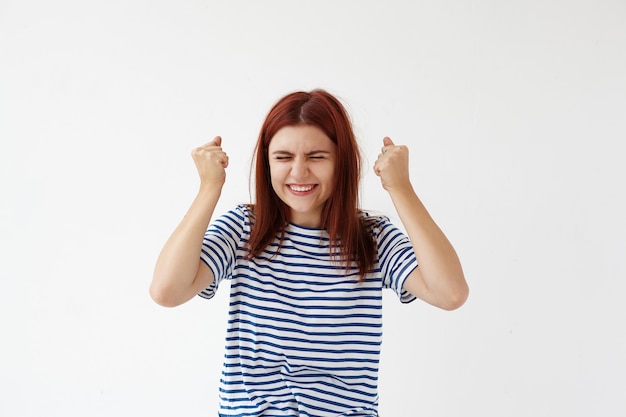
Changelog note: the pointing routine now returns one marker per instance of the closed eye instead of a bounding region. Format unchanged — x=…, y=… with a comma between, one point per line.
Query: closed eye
x=286, y=156
x=319, y=154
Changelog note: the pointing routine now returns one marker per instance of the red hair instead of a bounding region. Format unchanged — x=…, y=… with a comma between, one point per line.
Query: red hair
x=350, y=238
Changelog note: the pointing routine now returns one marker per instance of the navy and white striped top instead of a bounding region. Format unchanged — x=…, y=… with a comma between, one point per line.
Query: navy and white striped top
x=303, y=335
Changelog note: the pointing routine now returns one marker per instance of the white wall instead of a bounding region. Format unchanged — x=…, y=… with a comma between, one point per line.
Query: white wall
x=513, y=110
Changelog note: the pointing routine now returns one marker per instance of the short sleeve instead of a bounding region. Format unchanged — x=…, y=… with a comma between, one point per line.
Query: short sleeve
x=396, y=258
x=220, y=244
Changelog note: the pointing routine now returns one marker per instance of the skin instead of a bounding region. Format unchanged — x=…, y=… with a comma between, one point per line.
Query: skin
x=301, y=165
x=179, y=275
x=439, y=279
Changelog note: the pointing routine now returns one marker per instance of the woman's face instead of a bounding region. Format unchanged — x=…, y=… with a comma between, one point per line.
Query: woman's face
x=302, y=168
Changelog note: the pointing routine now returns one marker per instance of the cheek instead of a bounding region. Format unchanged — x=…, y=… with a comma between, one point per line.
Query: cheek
x=277, y=187
x=275, y=177
x=329, y=175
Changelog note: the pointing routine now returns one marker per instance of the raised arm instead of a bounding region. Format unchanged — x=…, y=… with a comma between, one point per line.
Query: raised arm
x=439, y=279
x=179, y=274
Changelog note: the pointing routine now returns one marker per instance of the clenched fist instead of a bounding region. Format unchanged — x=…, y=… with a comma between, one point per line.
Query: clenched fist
x=211, y=161
x=392, y=165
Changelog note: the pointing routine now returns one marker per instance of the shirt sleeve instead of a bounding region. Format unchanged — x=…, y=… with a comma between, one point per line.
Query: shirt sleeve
x=396, y=258
x=220, y=245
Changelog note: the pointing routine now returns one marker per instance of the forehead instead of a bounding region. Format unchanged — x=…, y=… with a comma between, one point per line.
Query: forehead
x=301, y=137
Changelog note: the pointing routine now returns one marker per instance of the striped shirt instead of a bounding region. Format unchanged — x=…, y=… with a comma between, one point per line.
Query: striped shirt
x=303, y=334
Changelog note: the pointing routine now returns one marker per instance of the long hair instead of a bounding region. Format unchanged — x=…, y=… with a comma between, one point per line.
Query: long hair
x=350, y=239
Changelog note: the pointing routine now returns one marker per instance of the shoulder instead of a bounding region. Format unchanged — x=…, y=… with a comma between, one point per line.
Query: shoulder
x=243, y=212
x=238, y=217
x=381, y=228
x=374, y=221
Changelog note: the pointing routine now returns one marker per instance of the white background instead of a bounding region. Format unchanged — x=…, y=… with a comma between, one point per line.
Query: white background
x=514, y=112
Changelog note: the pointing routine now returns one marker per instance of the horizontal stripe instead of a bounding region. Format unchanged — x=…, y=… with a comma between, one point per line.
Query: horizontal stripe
x=310, y=334
x=338, y=316
x=304, y=333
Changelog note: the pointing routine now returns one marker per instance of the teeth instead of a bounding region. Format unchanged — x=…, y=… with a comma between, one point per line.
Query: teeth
x=301, y=188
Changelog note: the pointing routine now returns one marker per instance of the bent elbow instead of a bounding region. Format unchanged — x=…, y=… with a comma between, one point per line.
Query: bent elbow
x=456, y=299
x=161, y=296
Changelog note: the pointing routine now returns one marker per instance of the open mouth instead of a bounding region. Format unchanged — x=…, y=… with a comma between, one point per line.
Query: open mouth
x=301, y=188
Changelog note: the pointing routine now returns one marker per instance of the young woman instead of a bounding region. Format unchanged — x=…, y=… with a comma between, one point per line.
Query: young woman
x=306, y=266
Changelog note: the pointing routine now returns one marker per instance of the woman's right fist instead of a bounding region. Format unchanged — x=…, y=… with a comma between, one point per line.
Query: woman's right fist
x=211, y=161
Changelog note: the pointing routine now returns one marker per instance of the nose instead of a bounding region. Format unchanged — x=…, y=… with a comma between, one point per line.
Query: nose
x=299, y=168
